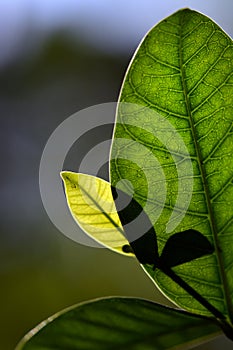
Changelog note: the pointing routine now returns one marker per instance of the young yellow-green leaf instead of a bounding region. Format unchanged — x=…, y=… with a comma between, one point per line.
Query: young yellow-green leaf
x=176, y=119
x=91, y=204
x=120, y=323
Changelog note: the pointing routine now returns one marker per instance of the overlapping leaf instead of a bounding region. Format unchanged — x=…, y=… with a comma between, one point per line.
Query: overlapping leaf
x=119, y=323
x=182, y=72
x=91, y=203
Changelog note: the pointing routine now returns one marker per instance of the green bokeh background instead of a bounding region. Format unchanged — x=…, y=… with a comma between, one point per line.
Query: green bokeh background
x=41, y=270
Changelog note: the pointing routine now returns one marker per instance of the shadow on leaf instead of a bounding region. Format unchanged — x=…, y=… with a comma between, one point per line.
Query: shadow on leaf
x=134, y=221
x=180, y=248
x=183, y=247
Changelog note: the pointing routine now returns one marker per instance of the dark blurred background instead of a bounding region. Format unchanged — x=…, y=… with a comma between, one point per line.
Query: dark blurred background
x=58, y=57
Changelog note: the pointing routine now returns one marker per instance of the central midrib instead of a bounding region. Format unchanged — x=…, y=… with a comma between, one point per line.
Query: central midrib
x=222, y=274
x=99, y=207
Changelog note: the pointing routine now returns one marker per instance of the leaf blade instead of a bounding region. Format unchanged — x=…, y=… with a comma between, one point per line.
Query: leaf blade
x=91, y=204
x=183, y=72
x=119, y=323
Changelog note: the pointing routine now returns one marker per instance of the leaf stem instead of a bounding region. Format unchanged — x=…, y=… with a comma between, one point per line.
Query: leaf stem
x=224, y=324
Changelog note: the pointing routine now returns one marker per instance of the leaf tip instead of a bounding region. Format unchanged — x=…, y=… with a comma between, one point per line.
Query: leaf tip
x=65, y=175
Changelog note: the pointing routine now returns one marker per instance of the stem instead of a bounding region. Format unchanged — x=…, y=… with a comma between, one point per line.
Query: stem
x=226, y=327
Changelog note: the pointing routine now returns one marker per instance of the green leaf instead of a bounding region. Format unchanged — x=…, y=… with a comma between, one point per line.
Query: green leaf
x=119, y=323
x=174, y=142
x=91, y=204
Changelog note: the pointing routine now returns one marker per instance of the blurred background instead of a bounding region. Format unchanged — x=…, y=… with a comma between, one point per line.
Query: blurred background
x=58, y=57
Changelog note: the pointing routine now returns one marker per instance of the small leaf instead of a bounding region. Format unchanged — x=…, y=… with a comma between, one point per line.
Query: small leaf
x=120, y=323
x=183, y=247
x=91, y=204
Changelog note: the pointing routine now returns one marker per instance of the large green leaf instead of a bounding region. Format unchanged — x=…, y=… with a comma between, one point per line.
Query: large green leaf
x=174, y=142
x=119, y=323
x=91, y=204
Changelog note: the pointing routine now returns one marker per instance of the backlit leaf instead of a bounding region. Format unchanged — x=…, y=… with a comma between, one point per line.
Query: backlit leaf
x=174, y=142
x=91, y=204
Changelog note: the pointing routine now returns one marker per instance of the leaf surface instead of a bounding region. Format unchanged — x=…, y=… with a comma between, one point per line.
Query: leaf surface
x=91, y=204
x=119, y=323
x=173, y=141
